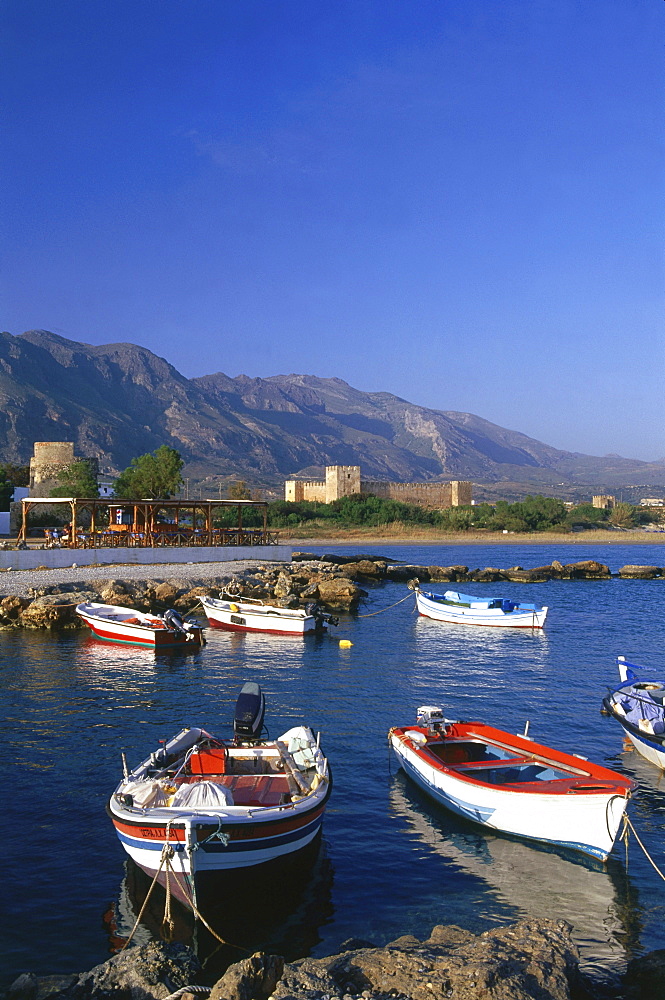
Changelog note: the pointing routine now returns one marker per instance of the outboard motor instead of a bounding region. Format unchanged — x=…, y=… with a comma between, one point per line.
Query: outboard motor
x=318, y=615
x=173, y=619
x=248, y=718
x=431, y=717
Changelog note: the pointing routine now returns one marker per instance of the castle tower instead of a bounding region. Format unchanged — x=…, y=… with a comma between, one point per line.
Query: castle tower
x=50, y=458
x=461, y=493
x=341, y=481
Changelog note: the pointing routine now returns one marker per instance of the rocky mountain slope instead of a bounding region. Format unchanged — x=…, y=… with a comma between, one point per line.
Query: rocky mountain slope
x=117, y=401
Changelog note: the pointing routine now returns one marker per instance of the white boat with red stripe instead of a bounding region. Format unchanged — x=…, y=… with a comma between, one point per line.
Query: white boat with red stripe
x=117, y=624
x=201, y=806
x=242, y=614
x=511, y=784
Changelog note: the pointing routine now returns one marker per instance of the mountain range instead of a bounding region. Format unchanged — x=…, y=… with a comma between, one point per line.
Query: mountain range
x=117, y=401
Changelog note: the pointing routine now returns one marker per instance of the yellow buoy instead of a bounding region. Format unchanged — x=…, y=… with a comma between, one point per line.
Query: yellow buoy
x=345, y=643
x=233, y=607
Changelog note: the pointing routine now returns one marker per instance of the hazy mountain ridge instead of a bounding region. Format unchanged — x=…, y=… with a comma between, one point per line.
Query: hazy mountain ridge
x=117, y=401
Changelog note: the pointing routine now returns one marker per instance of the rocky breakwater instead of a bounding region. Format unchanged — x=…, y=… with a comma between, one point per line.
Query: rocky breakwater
x=53, y=605
x=365, y=567
x=333, y=581
x=527, y=960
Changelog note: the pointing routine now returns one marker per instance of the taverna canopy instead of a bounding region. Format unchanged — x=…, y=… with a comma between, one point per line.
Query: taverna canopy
x=100, y=522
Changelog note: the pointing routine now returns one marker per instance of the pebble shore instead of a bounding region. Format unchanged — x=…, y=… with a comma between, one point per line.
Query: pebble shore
x=19, y=583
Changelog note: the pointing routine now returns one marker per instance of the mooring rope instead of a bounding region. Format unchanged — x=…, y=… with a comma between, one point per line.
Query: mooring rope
x=166, y=848
x=626, y=825
x=168, y=853
x=203, y=991
x=372, y=613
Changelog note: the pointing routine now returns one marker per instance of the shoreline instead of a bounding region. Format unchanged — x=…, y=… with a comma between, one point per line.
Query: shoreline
x=358, y=536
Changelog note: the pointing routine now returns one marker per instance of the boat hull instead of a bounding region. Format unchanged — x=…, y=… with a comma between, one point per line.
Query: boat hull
x=587, y=822
x=247, y=618
x=495, y=617
x=250, y=845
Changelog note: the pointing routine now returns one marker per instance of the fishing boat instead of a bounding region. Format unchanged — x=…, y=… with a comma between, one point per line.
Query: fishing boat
x=638, y=704
x=138, y=629
x=468, y=610
x=248, y=615
x=511, y=784
x=200, y=806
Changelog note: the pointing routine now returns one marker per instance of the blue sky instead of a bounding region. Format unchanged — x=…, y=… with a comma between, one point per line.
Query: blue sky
x=457, y=201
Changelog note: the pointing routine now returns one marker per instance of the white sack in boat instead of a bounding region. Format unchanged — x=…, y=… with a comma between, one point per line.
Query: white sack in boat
x=148, y=793
x=202, y=793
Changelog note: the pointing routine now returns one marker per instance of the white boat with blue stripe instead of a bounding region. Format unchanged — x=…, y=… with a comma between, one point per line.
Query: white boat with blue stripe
x=201, y=806
x=638, y=704
x=511, y=784
x=464, y=609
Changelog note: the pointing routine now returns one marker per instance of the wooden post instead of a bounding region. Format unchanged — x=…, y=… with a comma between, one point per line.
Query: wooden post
x=73, y=539
x=23, y=530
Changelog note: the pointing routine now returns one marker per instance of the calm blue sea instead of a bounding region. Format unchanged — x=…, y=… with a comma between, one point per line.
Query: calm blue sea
x=390, y=862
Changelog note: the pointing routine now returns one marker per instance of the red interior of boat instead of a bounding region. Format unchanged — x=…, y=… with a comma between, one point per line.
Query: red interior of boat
x=209, y=762
x=253, y=789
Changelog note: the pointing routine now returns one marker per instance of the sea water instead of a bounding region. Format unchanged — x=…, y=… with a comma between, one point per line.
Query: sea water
x=390, y=862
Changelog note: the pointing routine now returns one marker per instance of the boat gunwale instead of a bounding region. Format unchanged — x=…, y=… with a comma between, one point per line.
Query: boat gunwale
x=613, y=783
x=161, y=815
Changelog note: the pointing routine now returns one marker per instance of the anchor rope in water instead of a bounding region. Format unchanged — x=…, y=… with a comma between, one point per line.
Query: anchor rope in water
x=627, y=824
x=162, y=861
x=372, y=613
x=165, y=859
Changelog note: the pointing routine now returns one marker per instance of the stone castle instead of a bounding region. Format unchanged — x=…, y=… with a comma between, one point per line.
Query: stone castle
x=343, y=480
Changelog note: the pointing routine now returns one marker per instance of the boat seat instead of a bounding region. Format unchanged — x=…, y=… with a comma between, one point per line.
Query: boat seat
x=480, y=764
x=257, y=789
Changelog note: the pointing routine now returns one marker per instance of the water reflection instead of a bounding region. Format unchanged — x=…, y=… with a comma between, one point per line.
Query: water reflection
x=279, y=909
x=598, y=900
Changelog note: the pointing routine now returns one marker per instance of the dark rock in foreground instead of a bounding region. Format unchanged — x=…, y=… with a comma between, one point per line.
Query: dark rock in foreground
x=530, y=960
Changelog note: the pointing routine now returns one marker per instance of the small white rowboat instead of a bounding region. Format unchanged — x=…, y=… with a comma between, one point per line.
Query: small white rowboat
x=512, y=784
x=200, y=807
x=237, y=614
x=467, y=610
x=127, y=625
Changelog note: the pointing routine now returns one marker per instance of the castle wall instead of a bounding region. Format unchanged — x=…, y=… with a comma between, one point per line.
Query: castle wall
x=296, y=490
x=343, y=480
x=433, y=496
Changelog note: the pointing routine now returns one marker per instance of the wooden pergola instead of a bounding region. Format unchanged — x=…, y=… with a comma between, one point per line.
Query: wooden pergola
x=147, y=523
